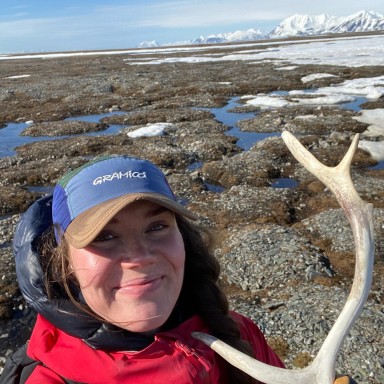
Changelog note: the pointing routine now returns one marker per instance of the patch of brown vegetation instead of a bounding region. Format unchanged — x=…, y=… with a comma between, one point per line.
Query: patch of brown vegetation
x=233, y=290
x=7, y=294
x=342, y=263
x=326, y=281
x=15, y=199
x=279, y=345
x=302, y=360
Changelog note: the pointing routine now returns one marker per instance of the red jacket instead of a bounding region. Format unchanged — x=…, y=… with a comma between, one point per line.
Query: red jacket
x=174, y=357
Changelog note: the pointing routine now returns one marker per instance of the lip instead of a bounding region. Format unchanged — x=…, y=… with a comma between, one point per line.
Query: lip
x=140, y=286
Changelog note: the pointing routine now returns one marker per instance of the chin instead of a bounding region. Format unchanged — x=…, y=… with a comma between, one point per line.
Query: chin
x=143, y=325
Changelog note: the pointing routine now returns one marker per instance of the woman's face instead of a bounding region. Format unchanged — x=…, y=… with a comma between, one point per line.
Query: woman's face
x=131, y=274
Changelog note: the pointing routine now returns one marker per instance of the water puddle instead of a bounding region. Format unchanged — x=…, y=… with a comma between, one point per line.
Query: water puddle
x=284, y=182
x=194, y=166
x=214, y=188
x=245, y=139
x=354, y=105
x=111, y=130
x=10, y=135
x=40, y=189
x=10, y=138
x=378, y=166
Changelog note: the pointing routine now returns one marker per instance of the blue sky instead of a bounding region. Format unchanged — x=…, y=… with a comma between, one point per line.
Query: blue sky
x=49, y=25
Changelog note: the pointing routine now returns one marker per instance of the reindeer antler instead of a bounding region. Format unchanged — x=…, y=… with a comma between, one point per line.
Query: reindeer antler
x=360, y=216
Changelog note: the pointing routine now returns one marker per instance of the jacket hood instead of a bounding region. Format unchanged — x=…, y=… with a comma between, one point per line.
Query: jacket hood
x=60, y=311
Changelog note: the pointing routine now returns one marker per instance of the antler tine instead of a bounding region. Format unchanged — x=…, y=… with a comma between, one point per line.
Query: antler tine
x=337, y=179
x=360, y=216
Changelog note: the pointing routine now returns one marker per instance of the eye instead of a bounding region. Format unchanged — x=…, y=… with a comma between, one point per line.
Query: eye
x=104, y=236
x=155, y=227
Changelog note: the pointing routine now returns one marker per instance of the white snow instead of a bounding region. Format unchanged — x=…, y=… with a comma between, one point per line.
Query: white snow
x=375, y=119
x=305, y=117
x=348, y=91
x=268, y=102
x=316, y=76
x=16, y=77
x=337, y=51
x=287, y=68
x=324, y=100
x=374, y=148
x=150, y=130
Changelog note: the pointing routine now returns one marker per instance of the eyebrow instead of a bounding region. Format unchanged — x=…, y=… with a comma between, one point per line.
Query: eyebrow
x=151, y=213
x=157, y=211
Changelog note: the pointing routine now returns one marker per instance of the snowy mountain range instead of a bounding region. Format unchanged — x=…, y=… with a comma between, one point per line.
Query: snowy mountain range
x=296, y=25
x=304, y=25
x=248, y=35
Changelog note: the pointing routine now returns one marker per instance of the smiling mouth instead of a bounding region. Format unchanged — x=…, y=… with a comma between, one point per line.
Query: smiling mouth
x=140, y=286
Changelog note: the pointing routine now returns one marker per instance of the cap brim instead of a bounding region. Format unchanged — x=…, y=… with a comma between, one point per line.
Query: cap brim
x=86, y=226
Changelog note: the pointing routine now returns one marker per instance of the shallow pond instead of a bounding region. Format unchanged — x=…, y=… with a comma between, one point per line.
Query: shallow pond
x=10, y=135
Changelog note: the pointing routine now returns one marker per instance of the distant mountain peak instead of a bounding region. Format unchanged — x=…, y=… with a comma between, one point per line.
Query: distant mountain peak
x=248, y=35
x=295, y=25
x=148, y=44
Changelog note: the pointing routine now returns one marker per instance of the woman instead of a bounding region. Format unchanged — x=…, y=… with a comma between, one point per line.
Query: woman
x=120, y=277
x=119, y=284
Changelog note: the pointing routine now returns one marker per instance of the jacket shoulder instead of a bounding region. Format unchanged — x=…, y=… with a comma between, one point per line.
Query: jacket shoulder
x=18, y=367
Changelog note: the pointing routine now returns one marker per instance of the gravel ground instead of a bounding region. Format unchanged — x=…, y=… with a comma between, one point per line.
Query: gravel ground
x=287, y=254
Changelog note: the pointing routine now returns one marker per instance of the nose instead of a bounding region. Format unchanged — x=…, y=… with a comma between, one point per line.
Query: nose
x=136, y=252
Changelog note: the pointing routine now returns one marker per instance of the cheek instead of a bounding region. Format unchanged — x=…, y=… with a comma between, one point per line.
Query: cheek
x=178, y=257
x=86, y=266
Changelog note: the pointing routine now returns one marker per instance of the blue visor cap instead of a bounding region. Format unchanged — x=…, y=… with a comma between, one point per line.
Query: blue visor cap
x=87, y=198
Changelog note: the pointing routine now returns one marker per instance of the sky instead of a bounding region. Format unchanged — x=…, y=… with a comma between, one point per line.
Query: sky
x=66, y=25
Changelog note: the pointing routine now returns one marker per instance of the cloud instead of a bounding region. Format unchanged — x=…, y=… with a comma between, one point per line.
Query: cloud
x=185, y=14
x=21, y=6
x=14, y=16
